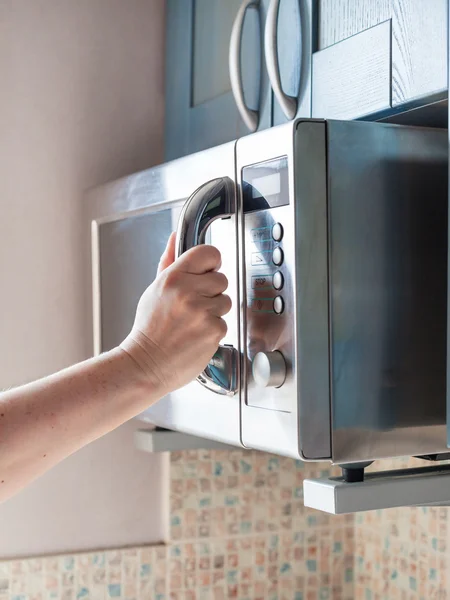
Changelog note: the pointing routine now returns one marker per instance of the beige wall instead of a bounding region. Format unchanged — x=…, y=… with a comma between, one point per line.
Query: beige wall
x=81, y=102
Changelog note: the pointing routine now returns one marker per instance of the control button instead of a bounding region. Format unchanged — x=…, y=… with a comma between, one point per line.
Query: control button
x=261, y=281
x=277, y=232
x=260, y=258
x=278, y=280
x=277, y=256
x=278, y=305
x=269, y=369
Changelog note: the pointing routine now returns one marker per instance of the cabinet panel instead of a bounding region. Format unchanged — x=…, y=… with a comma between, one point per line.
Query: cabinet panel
x=419, y=49
x=352, y=79
x=340, y=19
x=200, y=108
x=213, y=22
x=419, y=40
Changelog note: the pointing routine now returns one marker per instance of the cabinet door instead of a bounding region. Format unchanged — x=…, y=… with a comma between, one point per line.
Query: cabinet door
x=200, y=107
x=367, y=45
x=419, y=50
x=294, y=45
x=352, y=78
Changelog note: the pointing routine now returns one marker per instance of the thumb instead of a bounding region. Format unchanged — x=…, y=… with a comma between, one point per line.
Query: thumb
x=168, y=256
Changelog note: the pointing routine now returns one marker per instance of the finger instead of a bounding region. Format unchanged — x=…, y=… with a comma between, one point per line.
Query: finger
x=220, y=305
x=168, y=256
x=210, y=284
x=200, y=259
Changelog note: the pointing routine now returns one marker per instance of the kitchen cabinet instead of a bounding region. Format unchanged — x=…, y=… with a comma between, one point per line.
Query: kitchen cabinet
x=276, y=38
x=377, y=56
x=201, y=110
x=345, y=59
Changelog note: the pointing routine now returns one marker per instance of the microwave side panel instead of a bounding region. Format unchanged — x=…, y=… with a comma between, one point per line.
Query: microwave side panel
x=388, y=271
x=311, y=266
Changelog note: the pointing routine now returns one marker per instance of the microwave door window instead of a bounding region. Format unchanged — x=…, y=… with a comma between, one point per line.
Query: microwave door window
x=129, y=253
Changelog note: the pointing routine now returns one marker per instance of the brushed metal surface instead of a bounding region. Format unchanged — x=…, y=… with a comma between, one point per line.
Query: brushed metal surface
x=269, y=418
x=387, y=200
x=295, y=418
x=353, y=78
x=448, y=291
x=364, y=267
x=266, y=330
x=154, y=440
x=137, y=206
x=215, y=199
x=269, y=369
x=312, y=304
x=424, y=486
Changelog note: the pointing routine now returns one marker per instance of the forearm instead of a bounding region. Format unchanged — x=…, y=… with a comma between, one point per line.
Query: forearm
x=44, y=422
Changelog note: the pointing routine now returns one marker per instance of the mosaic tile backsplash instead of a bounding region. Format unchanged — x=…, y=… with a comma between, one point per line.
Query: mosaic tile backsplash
x=402, y=553
x=239, y=530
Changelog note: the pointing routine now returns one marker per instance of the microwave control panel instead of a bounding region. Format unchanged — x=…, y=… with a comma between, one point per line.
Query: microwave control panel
x=268, y=321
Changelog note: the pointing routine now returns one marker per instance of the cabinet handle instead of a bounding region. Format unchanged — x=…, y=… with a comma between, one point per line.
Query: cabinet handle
x=287, y=103
x=249, y=116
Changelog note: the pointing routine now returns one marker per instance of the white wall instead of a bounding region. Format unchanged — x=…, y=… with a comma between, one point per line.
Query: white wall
x=81, y=102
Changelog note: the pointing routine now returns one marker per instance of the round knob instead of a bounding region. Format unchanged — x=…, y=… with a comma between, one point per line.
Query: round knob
x=269, y=369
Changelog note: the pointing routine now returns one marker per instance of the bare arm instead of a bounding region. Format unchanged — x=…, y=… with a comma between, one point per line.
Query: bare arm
x=177, y=328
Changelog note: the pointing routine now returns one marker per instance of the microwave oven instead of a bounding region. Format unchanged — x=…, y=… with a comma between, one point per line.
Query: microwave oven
x=333, y=238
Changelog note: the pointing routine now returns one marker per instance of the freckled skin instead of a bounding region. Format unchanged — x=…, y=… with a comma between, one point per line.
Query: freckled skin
x=177, y=329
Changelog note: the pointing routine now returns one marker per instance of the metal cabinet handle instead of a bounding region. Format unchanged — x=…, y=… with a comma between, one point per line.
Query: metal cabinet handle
x=249, y=116
x=287, y=103
x=213, y=200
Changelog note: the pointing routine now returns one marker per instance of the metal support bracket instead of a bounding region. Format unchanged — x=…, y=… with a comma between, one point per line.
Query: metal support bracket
x=165, y=440
x=423, y=486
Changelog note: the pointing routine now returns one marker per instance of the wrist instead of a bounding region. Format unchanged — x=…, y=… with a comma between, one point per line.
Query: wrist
x=145, y=360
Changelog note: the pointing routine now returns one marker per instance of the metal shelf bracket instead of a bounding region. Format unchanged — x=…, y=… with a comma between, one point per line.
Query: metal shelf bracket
x=423, y=486
x=165, y=440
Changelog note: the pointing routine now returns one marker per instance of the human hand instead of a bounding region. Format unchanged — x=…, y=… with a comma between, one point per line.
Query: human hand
x=179, y=323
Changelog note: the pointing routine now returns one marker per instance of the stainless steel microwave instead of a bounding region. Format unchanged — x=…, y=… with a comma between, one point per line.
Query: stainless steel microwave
x=334, y=241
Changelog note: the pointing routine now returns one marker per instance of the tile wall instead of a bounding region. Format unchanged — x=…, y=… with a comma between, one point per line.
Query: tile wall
x=402, y=553
x=239, y=530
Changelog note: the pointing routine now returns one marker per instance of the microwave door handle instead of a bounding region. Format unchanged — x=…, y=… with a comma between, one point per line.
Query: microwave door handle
x=213, y=200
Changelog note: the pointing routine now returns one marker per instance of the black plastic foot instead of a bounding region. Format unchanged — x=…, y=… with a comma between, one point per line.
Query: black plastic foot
x=354, y=473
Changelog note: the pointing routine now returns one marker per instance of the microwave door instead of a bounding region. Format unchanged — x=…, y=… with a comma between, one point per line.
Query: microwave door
x=197, y=409
x=126, y=251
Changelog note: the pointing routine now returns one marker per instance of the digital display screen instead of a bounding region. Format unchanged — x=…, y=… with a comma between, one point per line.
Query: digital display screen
x=265, y=185
x=268, y=185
